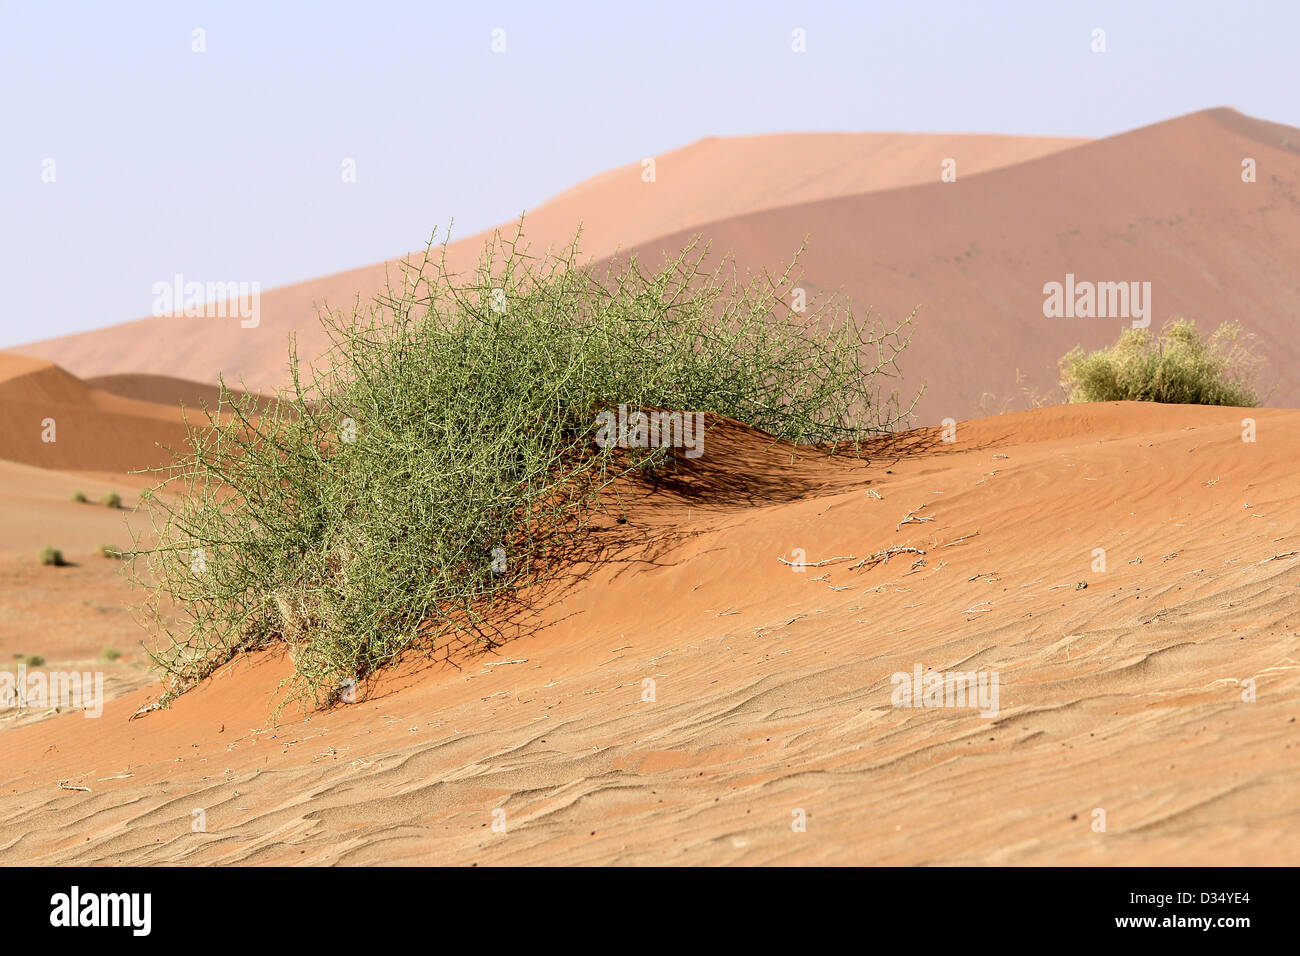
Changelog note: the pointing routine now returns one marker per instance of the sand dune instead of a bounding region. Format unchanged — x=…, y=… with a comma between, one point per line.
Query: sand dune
x=718, y=178
x=54, y=420
x=36, y=509
x=1164, y=204
x=160, y=390
x=709, y=180
x=689, y=689
x=70, y=615
x=772, y=687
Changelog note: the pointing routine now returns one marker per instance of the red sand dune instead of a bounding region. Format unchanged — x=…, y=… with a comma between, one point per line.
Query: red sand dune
x=93, y=430
x=713, y=179
x=772, y=688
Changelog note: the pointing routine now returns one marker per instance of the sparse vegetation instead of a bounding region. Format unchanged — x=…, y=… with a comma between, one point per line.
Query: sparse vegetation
x=79, y=497
x=110, y=551
x=111, y=499
x=52, y=557
x=1178, y=366
x=111, y=654
x=443, y=452
x=33, y=660
x=1029, y=397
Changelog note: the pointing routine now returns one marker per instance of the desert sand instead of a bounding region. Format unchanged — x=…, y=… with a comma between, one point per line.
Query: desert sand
x=772, y=686
x=713, y=682
x=70, y=616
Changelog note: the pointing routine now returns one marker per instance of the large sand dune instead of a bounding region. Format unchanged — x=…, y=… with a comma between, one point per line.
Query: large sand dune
x=710, y=180
x=772, y=689
x=1164, y=204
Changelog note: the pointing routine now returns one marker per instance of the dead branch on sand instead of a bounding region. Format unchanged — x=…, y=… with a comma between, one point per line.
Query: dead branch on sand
x=883, y=556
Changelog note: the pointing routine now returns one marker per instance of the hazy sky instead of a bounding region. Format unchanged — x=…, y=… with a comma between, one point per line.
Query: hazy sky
x=227, y=164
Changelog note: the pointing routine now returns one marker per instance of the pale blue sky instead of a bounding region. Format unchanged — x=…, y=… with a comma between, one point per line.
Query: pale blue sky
x=225, y=165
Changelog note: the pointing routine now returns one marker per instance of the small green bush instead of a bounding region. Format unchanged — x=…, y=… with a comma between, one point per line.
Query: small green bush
x=444, y=451
x=33, y=660
x=111, y=653
x=110, y=551
x=79, y=497
x=1178, y=367
x=111, y=500
x=52, y=556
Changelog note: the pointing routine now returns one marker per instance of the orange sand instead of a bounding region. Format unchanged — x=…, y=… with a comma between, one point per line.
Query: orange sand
x=772, y=690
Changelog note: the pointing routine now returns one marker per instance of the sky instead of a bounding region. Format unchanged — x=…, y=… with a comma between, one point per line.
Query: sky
x=130, y=155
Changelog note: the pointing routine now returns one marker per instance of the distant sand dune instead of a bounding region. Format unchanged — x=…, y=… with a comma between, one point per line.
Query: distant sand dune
x=92, y=430
x=161, y=390
x=1163, y=204
x=713, y=179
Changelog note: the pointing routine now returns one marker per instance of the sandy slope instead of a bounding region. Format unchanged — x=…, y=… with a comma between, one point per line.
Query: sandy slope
x=714, y=179
x=93, y=430
x=772, y=687
x=36, y=509
x=1164, y=204
x=70, y=616
x=161, y=390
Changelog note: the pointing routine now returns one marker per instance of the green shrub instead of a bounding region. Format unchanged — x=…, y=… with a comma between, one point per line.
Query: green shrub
x=33, y=660
x=111, y=500
x=110, y=551
x=111, y=653
x=444, y=452
x=1178, y=367
x=79, y=497
x=52, y=556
